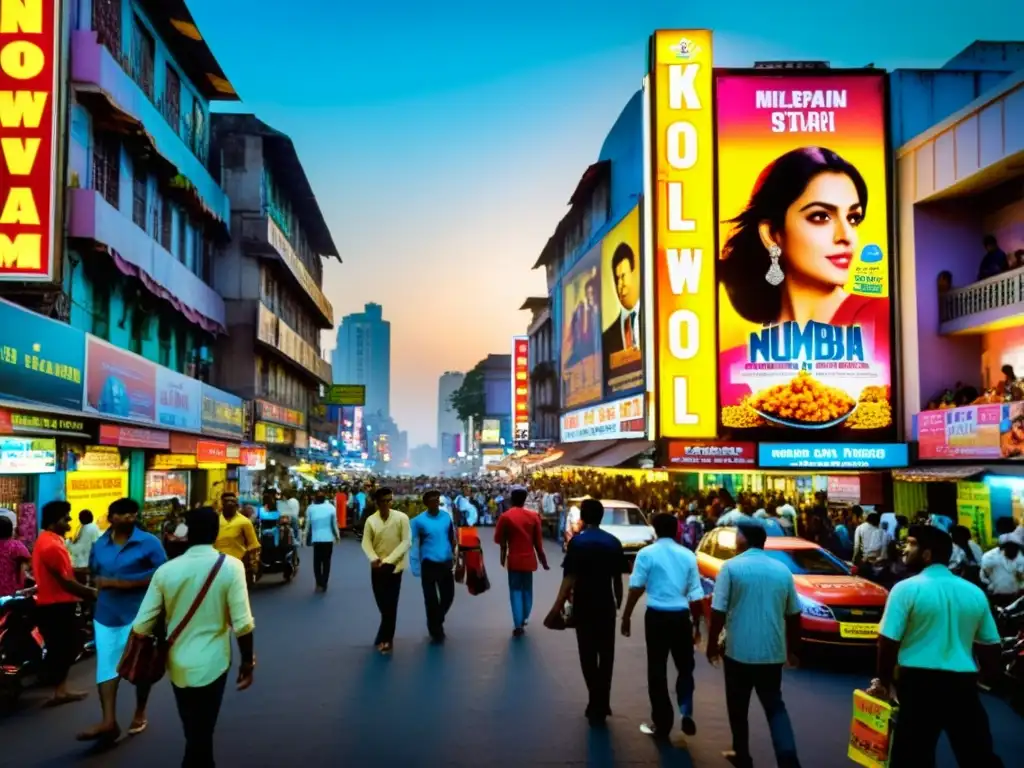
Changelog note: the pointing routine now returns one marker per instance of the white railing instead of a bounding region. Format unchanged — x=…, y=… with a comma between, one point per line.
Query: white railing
x=1005, y=290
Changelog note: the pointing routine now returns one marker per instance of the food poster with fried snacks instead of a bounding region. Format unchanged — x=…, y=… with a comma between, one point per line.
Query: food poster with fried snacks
x=804, y=267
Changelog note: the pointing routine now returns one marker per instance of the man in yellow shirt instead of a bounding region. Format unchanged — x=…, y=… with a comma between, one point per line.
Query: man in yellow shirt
x=237, y=536
x=387, y=539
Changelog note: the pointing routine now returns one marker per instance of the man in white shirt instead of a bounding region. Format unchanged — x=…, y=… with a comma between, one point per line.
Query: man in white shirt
x=1002, y=570
x=870, y=541
x=466, y=511
x=675, y=602
x=80, y=547
x=755, y=601
x=323, y=532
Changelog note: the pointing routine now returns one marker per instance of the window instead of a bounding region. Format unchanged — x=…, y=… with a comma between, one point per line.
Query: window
x=724, y=547
x=623, y=516
x=101, y=309
x=106, y=167
x=158, y=212
x=139, y=322
x=106, y=20
x=139, y=183
x=198, y=143
x=181, y=350
x=170, y=104
x=142, y=55
x=164, y=337
x=182, y=235
x=166, y=223
x=815, y=562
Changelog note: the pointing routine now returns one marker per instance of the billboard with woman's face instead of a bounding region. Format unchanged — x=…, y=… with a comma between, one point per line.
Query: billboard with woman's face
x=805, y=340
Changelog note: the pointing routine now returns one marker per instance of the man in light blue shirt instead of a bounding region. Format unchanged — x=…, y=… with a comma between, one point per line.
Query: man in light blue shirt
x=432, y=558
x=323, y=532
x=668, y=573
x=465, y=508
x=755, y=601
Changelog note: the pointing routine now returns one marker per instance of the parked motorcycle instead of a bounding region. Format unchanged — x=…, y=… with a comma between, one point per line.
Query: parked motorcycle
x=278, y=553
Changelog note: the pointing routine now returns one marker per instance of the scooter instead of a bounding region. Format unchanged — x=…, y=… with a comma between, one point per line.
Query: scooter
x=278, y=553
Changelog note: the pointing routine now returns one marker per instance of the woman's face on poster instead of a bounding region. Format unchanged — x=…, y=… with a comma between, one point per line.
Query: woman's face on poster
x=819, y=238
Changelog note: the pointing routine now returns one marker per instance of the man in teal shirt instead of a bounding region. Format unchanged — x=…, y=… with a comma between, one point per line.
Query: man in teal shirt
x=432, y=559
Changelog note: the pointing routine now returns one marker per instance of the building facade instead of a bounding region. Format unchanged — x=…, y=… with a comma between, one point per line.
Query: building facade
x=271, y=277
x=449, y=428
x=363, y=356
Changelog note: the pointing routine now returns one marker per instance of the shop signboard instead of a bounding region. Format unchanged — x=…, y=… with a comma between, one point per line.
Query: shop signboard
x=134, y=437
x=302, y=439
x=39, y=423
x=490, y=431
x=844, y=488
x=680, y=187
x=119, y=383
x=233, y=455
x=6, y=427
x=807, y=152
x=30, y=69
x=179, y=400
x=618, y=420
x=318, y=445
x=254, y=457
x=211, y=452
x=832, y=455
x=712, y=456
x=223, y=413
x=520, y=390
x=99, y=458
x=41, y=360
x=94, y=491
x=974, y=432
x=345, y=394
x=974, y=511
x=277, y=414
x=271, y=434
x=28, y=455
x=168, y=461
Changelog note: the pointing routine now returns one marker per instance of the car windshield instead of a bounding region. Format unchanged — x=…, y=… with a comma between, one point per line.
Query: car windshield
x=623, y=516
x=809, y=562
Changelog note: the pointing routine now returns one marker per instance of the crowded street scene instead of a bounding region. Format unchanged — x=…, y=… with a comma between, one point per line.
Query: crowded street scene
x=644, y=394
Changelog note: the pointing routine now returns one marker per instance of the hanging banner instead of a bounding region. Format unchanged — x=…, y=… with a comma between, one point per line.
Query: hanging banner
x=179, y=400
x=119, y=383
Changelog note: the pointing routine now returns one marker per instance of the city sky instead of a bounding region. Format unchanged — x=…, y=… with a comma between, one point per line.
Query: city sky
x=443, y=140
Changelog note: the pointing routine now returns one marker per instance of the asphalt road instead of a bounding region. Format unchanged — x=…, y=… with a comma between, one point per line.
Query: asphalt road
x=323, y=697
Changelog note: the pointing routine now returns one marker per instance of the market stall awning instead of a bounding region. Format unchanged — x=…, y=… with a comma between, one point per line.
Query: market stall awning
x=936, y=474
x=579, y=454
x=619, y=453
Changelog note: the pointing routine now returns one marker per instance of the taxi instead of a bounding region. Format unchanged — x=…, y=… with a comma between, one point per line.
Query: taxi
x=836, y=606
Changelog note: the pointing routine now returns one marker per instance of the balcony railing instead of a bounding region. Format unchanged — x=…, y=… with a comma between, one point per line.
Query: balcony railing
x=1005, y=291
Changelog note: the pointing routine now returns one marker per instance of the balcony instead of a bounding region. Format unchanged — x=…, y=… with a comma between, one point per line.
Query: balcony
x=273, y=332
x=987, y=305
x=93, y=66
x=262, y=236
x=92, y=218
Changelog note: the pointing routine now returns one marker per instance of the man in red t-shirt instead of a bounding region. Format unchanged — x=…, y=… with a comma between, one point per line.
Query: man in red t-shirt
x=519, y=534
x=57, y=597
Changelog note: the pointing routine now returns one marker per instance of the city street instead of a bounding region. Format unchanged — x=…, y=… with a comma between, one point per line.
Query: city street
x=323, y=697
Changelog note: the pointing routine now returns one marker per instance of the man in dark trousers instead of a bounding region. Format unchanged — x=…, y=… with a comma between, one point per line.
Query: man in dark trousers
x=521, y=538
x=593, y=568
x=668, y=573
x=432, y=558
x=322, y=533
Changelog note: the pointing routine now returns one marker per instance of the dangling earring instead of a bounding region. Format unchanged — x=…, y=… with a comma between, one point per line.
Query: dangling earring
x=774, y=275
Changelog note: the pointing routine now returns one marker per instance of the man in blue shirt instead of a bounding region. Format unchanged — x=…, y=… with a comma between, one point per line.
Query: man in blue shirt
x=432, y=558
x=122, y=563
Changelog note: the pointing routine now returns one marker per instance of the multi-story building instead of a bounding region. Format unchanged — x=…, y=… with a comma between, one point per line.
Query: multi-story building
x=543, y=398
x=363, y=356
x=449, y=428
x=270, y=276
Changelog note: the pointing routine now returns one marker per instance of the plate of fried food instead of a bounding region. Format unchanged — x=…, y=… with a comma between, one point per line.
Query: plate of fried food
x=804, y=403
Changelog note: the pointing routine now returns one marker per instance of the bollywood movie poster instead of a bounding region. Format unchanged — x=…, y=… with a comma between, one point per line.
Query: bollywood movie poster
x=804, y=265
x=581, y=331
x=621, y=289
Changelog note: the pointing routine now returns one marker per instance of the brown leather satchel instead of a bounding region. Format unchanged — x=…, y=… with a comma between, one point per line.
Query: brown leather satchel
x=144, y=660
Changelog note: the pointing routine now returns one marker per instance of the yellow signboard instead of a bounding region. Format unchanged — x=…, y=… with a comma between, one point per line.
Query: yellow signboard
x=94, y=491
x=974, y=510
x=345, y=394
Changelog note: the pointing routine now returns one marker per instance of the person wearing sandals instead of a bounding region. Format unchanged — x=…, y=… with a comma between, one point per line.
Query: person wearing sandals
x=121, y=563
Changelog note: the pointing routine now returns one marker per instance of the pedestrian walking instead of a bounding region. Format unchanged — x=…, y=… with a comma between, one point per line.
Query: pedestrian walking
x=667, y=572
x=121, y=565
x=1002, y=571
x=432, y=559
x=322, y=520
x=80, y=545
x=934, y=627
x=237, y=536
x=755, y=601
x=57, y=596
x=520, y=535
x=593, y=568
x=387, y=539
x=201, y=595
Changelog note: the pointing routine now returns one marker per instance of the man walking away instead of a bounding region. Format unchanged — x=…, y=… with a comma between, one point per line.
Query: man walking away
x=211, y=587
x=122, y=564
x=432, y=559
x=593, y=568
x=323, y=532
x=57, y=596
x=387, y=539
x=755, y=601
x=934, y=626
x=667, y=571
x=520, y=535
x=1002, y=571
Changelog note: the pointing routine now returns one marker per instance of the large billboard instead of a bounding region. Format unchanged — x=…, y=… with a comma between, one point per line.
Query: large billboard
x=805, y=346
x=520, y=390
x=682, y=183
x=581, y=331
x=30, y=41
x=621, y=317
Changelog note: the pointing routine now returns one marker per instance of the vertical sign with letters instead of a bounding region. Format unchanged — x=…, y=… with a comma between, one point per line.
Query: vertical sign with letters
x=682, y=180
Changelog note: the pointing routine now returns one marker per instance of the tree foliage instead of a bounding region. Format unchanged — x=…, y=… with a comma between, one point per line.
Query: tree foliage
x=468, y=400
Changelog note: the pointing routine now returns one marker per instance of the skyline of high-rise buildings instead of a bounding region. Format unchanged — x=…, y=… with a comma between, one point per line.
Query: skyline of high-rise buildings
x=449, y=428
x=363, y=356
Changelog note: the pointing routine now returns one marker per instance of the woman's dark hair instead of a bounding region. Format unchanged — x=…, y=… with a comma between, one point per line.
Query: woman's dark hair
x=6, y=528
x=85, y=517
x=745, y=260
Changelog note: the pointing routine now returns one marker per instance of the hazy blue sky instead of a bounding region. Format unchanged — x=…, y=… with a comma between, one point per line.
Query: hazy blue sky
x=444, y=139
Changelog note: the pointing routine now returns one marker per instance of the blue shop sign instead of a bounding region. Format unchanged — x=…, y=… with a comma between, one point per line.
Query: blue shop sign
x=41, y=360
x=833, y=455
x=223, y=413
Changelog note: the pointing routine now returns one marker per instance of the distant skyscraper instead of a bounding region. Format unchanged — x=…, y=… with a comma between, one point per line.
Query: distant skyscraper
x=363, y=356
x=447, y=419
